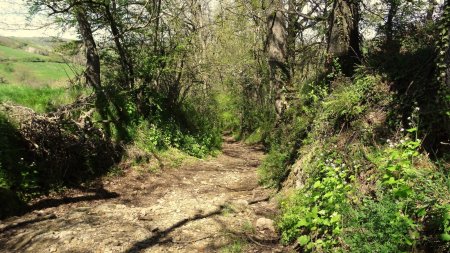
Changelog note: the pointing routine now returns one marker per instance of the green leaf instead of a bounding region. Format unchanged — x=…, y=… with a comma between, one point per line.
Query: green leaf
x=302, y=223
x=303, y=240
x=445, y=237
x=422, y=212
x=392, y=168
x=317, y=184
x=391, y=181
x=335, y=217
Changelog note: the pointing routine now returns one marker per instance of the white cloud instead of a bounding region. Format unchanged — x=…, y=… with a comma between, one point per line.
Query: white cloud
x=13, y=22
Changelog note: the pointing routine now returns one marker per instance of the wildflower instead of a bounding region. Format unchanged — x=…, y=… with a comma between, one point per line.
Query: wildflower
x=402, y=129
x=409, y=118
x=417, y=109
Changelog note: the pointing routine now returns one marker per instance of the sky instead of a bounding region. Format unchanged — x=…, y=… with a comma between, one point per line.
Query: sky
x=13, y=22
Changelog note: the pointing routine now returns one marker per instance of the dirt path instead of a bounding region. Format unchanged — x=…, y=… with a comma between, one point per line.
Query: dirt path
x=214, y=205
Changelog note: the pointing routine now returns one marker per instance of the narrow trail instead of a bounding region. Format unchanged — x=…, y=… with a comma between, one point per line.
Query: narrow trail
x=204, y=206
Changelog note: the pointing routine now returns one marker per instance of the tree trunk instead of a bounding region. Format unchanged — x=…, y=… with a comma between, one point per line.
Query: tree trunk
x=446, y=16
x=343, y=35
x=92, y=73
x=390, y=44
x=292, y=35
x=430, y=11
x=157, y=24
x=125, y=61
x=277, y=56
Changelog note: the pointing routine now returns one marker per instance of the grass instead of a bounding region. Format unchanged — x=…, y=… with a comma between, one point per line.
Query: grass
x=31, y=79
x=8, y=53
x=39, y=68
x=255, y=137
x=237, y=246
x=39, y=99
x=48, y=70
x=36, y=73
x=174, y=158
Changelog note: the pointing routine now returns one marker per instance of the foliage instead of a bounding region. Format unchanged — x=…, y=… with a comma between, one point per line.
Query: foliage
x=15, y=172
x=379, y=226
x=314, y=216
x=160, y=134
x=443, y=46
x=273, y=169
x=153, y=137
x=331, y=212
x=255, y=137
x=39, y=153
x=229, y=112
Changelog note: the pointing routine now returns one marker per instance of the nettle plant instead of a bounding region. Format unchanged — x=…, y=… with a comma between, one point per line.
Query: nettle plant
x=314, y=216
x=408, y=183
x=399, y=166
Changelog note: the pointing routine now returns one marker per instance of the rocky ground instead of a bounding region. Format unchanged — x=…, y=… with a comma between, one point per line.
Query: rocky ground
x=212, y=205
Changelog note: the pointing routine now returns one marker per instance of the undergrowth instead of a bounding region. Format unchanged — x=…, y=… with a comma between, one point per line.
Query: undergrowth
x=66, y=155
x=363, y=181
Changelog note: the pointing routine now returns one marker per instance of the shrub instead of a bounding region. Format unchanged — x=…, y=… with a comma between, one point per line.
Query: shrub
x=357, y=194
x=41, y=152
x=160, y=135
x=273, y=169
x=313, y=216
x=379, y=226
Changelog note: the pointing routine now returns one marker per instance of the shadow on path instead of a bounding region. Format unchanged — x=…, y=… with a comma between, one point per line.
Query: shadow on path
x=27, y=222
x=159, y=235
x=46, y=203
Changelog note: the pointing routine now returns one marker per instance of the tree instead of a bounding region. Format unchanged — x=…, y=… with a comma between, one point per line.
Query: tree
x=444, y=47
x=343, y=35
x=276, y=48
x=92, y=72
x=113, y=17
x=393, y=6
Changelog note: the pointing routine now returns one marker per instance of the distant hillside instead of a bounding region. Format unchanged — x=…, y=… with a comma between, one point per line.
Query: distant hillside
x=38, y=45
x=34, y=62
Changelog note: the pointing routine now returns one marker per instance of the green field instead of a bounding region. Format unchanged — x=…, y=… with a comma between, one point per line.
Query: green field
x=31, y=74
x=35, y=74
x=8, y=53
